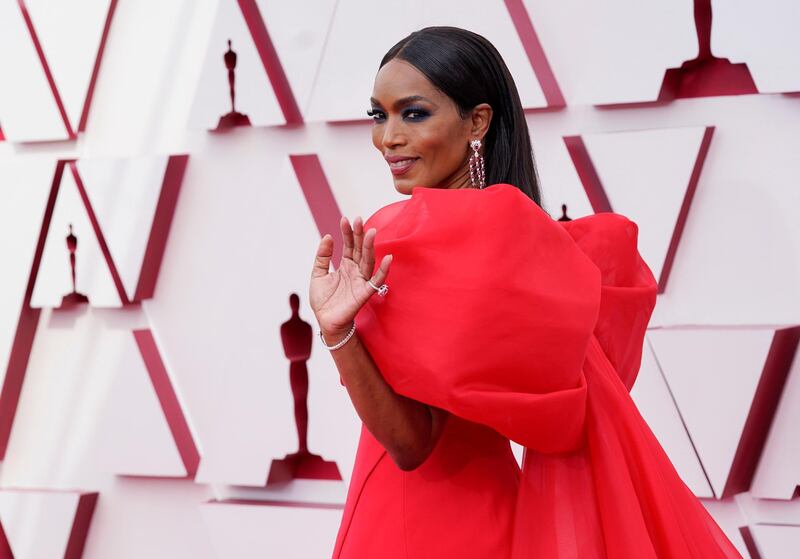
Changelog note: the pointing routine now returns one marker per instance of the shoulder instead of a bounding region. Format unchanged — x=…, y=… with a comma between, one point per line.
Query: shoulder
x=472, y=202
x=384, y=214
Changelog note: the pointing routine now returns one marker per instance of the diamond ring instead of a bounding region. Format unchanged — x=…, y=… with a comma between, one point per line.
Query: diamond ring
x=382, y=290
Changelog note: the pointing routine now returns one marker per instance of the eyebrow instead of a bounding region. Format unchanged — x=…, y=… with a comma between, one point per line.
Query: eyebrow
x=404, y=101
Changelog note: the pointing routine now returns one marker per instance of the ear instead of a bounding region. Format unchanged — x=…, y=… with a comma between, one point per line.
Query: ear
x=480, y=118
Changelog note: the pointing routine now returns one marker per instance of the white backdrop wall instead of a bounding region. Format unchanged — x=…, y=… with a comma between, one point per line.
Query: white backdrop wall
x=145, y=423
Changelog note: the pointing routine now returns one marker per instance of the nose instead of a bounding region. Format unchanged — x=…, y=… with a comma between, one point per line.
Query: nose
x=393, y=133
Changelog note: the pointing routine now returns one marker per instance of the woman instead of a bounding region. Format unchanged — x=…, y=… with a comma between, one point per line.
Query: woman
x=500, y=324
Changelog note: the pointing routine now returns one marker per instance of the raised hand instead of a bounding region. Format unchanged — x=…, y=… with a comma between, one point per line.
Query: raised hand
x=336, y=296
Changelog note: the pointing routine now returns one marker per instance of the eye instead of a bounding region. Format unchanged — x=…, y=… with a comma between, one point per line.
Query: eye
x=376, y=114
x=416, y=114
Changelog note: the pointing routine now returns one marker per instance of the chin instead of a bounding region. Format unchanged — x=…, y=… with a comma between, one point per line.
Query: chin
x=403, y=185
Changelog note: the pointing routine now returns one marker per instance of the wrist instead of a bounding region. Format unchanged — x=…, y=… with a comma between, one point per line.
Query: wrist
x=333, y=335
x=336, y=337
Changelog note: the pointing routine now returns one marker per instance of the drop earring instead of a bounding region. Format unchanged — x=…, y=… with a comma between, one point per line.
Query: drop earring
x=477, y=172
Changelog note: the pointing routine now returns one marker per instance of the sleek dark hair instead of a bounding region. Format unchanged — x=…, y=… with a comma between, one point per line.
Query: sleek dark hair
x=467, y=68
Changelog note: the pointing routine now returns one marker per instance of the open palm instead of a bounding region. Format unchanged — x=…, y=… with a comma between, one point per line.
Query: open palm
x=336, y=296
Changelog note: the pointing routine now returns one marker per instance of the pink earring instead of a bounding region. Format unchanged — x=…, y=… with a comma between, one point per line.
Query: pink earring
x=477, y=172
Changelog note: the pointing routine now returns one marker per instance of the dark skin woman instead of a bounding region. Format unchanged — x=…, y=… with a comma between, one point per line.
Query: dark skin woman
x=425, y=141
x=430, y=483
x=424, y=134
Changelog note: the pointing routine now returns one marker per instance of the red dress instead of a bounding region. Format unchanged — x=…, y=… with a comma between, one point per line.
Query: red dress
x=528, y=329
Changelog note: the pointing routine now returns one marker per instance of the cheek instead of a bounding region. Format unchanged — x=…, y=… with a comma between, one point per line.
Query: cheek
x=376, y=139
x=441, y=148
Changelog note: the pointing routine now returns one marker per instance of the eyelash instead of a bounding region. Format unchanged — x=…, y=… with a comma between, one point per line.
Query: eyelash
x=378, y=114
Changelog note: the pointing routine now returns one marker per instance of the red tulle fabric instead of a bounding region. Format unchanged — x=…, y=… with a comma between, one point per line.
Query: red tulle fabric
x=528, y=329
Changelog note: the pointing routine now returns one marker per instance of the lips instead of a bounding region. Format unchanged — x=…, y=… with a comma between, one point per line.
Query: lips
x=400, y=164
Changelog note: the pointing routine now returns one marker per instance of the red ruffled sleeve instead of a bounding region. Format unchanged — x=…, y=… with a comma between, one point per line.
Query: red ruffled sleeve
x=489, y=312
x=534, y=327
x=628, y=288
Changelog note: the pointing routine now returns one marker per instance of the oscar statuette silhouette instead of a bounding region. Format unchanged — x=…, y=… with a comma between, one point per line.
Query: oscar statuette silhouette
x=233, y=118
x=297, y=336
x=706, y=75
x=564, y=216
x=73, y=298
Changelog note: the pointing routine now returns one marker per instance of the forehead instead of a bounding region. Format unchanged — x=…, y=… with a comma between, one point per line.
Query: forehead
x=398, y=79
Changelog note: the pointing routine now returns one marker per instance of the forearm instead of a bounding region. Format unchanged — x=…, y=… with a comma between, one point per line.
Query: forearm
x=408, y=429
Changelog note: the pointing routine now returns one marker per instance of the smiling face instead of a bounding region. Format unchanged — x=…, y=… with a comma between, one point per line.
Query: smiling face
x=419, y=131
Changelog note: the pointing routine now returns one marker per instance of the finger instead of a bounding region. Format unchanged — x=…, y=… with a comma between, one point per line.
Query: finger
x=358, y=233
x=382, y=271
x=368, y=255
x=322, y=260
x=347, y=237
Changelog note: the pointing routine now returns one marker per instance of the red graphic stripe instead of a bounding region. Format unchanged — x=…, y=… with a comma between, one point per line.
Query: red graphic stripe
x=319, y=197
x=762, y=410
x=80, y=525
x=587, y=174
x=96, y=70
x=168, y=399
x=46, y=68
x=5, y=547
x=271, y=62
x=750, y=542
x=684, y=211
x=112, y=267
x=26, y=327
x=600, y=202
x=159, y=232
x=535, y=51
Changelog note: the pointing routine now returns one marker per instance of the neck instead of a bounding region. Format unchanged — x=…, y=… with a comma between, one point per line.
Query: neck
x=459, y=179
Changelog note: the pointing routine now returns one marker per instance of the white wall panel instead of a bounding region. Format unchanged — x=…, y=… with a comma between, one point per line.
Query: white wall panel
x=778, y=472
x=28, y=110
x=713, y=375
x=251, y=530
x=92, y=274
x=646, y=175
x=658, y=408
x=613, y=52
x=28, y=516
x=71, y=36
x=242, y=238
x=23, y=198
x=764, y=36
x=344, y=82
x=254, y=94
